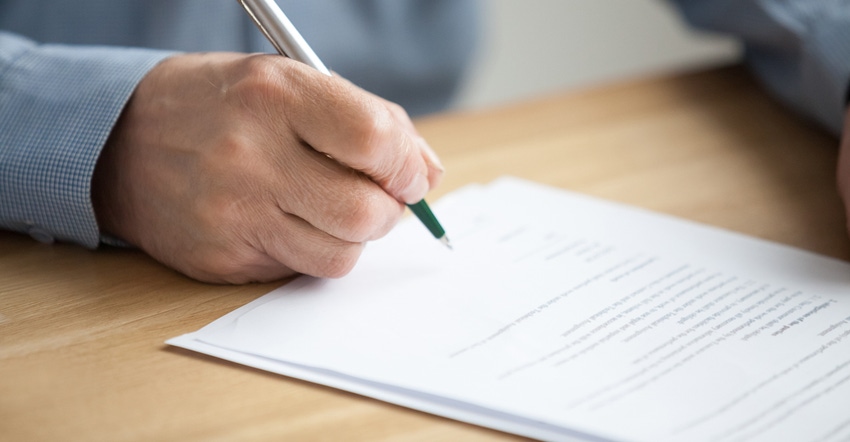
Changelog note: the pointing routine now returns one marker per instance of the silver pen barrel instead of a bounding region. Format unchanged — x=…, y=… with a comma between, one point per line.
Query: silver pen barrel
x=282, y=34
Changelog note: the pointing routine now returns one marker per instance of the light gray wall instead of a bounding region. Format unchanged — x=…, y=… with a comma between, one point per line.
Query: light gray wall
x=534, y=47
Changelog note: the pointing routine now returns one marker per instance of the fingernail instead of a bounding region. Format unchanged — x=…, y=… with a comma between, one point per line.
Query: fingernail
x=416, y=190
x=430, y=156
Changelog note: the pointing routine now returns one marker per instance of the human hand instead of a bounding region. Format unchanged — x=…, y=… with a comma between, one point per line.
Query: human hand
x=236, y=168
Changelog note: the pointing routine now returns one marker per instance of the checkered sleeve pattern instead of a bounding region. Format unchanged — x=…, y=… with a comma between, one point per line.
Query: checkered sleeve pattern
x=800, y=49
x=58, y=105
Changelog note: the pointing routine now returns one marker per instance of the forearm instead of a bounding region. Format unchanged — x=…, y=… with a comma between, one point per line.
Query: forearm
x=58, y=105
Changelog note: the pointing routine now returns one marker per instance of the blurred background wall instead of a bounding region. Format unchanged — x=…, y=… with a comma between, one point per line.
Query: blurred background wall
x=534, y=47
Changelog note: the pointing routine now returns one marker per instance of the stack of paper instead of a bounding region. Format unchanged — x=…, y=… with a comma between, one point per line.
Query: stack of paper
x=562, y=317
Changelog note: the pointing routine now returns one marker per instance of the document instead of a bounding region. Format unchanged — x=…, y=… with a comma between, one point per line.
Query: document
x=563, y=317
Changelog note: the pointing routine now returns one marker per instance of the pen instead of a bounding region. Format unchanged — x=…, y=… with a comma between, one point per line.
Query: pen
x=288, y=42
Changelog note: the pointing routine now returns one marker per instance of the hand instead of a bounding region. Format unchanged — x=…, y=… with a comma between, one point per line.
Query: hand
x=236, y=168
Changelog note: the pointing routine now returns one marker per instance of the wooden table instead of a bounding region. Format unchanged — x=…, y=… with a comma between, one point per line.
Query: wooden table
x=81, y=333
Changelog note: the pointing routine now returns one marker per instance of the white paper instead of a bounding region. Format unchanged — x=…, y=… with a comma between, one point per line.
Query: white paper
x=563, y=317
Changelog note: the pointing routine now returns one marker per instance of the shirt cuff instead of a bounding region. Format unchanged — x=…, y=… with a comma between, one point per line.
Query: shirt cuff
x=58, y=105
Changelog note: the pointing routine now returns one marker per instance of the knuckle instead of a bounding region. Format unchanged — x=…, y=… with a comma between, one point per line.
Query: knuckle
x=362, y=216
x=216, y=213
x=397, y=110
x=367, y=215
x=228, y=150
x=373, y=132
x=233, y=165
x=261, y=79
x=261, y=68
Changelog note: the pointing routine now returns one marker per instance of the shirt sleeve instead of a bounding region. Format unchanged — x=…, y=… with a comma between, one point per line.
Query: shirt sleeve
x=58, y=105
x=800, y=49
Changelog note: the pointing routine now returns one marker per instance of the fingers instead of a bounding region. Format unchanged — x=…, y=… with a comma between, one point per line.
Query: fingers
x=258, y=241
x=237, y=240
x=365, y=133
x=435, y=167
x=294, y=179
x=221, y=267
x=333, y=198
x=303, y=248
x=283, y=246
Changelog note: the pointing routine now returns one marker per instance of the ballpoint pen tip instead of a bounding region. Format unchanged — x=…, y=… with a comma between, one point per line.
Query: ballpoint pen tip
x=445, y=240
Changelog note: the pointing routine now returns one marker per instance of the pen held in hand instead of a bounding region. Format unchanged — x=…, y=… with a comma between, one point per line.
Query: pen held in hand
x=288, y=42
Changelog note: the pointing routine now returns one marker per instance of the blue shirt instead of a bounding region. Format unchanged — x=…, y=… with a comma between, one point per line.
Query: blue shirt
x=800, y=49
